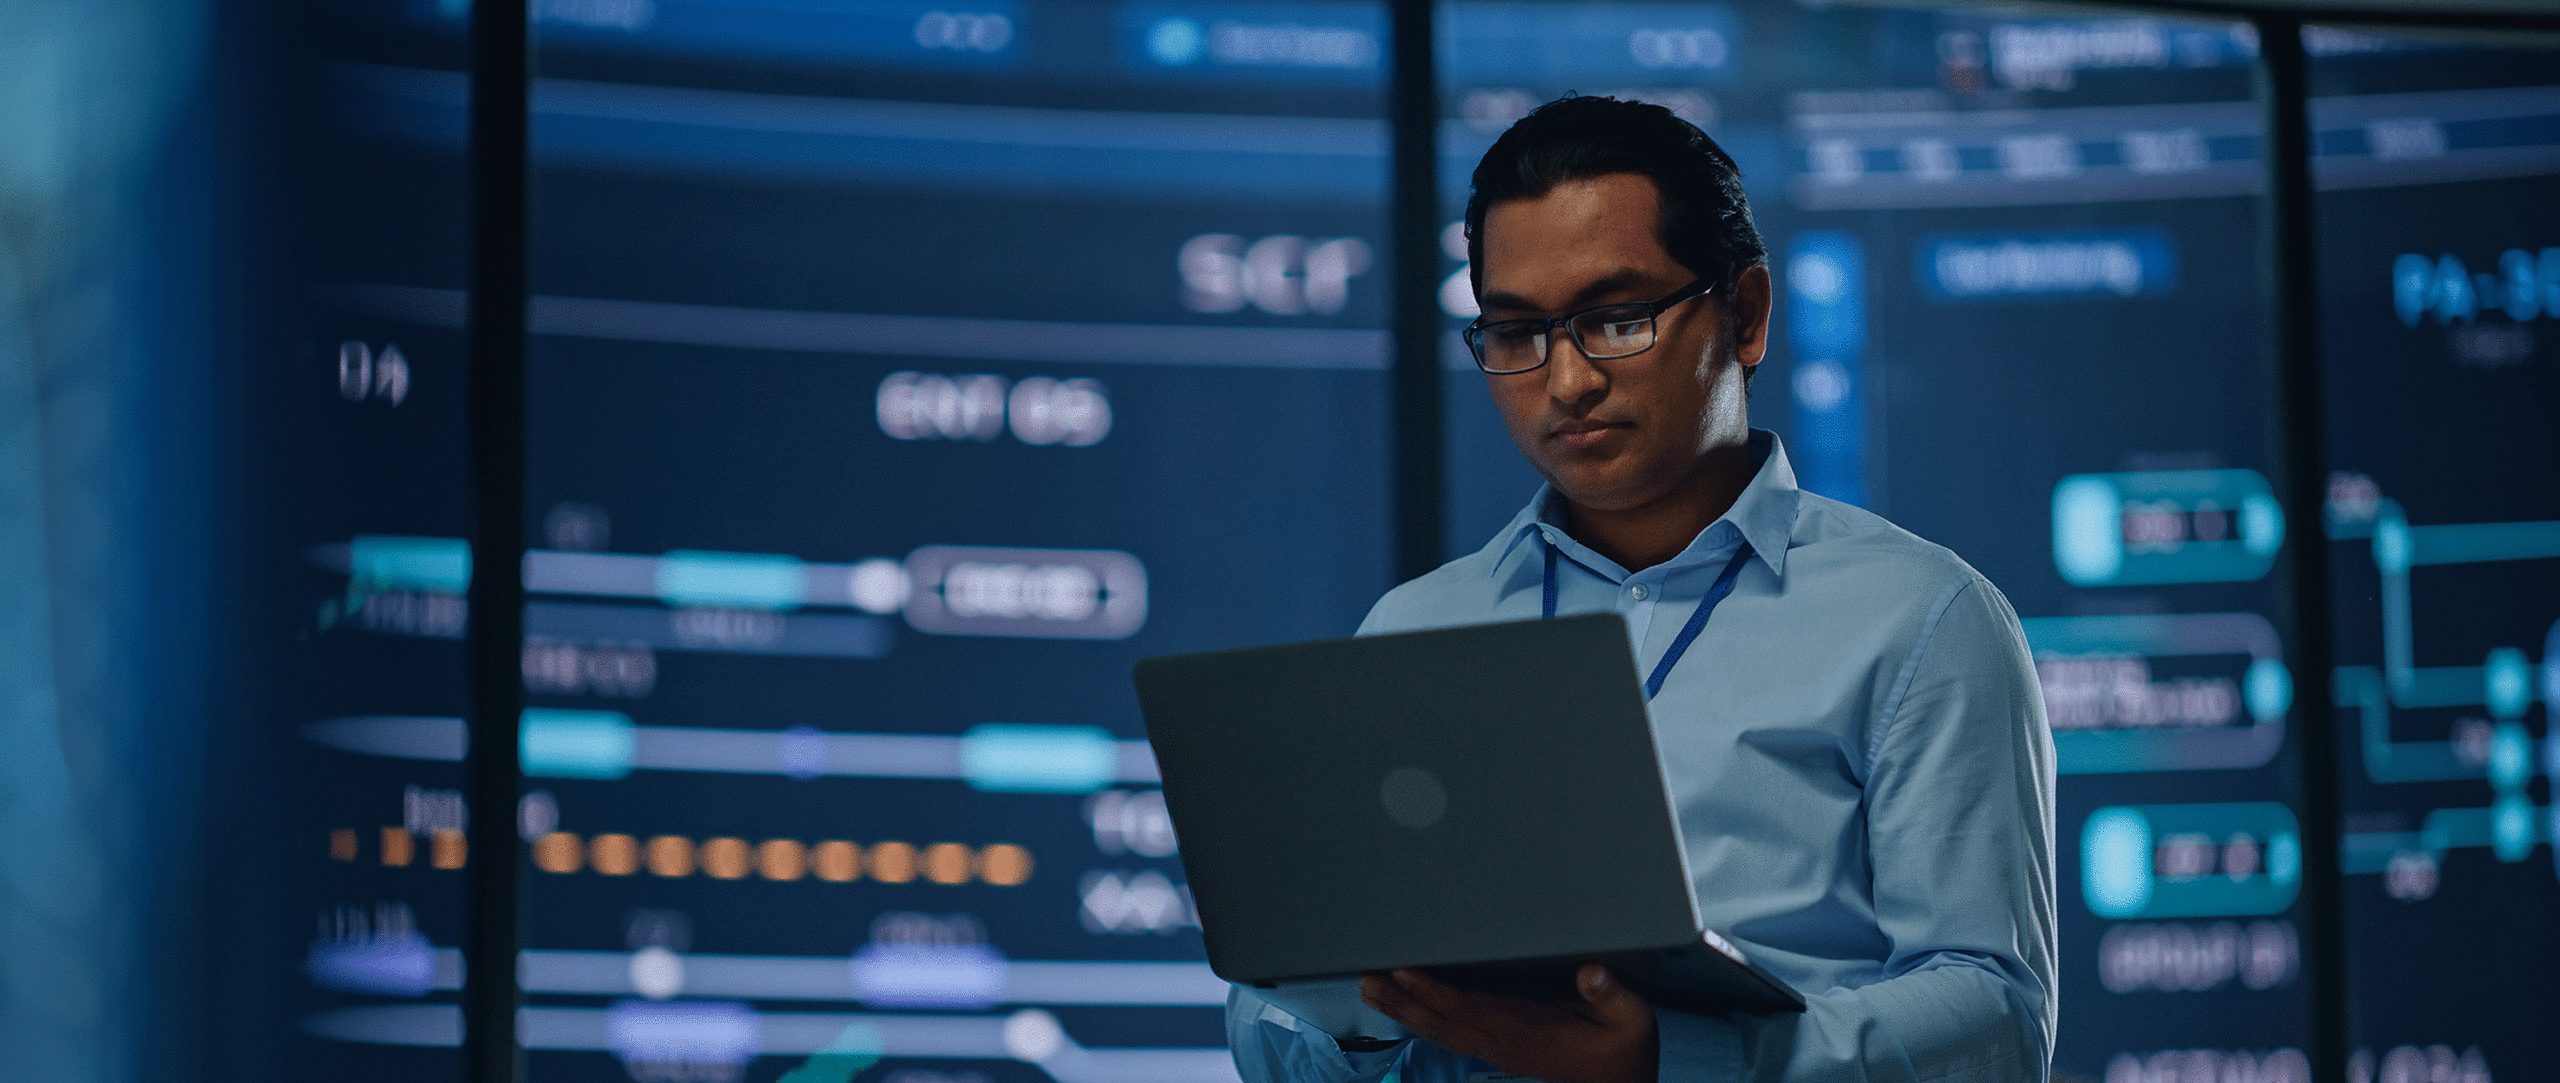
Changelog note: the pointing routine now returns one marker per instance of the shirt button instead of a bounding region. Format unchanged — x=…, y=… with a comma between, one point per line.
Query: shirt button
x=1638, y=591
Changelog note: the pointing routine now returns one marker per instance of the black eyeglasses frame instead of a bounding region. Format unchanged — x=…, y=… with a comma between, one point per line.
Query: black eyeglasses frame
x=1653, y=310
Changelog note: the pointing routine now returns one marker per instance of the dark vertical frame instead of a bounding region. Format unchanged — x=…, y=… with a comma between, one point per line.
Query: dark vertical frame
x=500, y=82
x=2289, y=274
x=1413, y=225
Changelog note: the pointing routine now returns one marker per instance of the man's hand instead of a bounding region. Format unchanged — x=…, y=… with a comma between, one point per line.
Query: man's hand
x=1605, y=1037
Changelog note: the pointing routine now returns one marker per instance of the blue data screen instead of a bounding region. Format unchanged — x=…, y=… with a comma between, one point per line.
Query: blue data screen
x=2440, y=267
x=903, y=372
x=900, y=375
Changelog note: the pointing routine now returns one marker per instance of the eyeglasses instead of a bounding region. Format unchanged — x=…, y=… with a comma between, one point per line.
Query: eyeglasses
x=1506, y=347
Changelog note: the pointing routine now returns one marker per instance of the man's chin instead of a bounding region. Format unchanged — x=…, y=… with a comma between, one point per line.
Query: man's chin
x=1595, y=493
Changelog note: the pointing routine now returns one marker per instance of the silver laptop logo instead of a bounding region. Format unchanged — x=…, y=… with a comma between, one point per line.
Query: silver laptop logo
x=1413, y=797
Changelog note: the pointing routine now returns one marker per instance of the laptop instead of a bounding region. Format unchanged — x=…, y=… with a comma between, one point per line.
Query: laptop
x=1484, y=803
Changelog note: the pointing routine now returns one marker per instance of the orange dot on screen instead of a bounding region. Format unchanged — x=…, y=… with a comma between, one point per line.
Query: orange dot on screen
x=671, y=855
x=446, y=848
x=947, y=863
x=837, y=861
x=782, y=859
x=1004, y=864
x=614, y=854
x=558, y=851
x=893, y=862
x=399, y=847
x=725, y=858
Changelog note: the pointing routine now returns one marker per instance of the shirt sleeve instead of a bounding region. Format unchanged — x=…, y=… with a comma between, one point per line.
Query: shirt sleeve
x=1272, y=1046
x=1960, y=837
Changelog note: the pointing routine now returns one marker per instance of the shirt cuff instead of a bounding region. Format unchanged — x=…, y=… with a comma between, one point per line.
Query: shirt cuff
x=1375, y=1061
x=1273, y=1046
x=1697, y=1048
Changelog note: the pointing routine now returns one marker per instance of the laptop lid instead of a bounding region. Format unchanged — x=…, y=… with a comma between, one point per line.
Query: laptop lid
x=1429, y=798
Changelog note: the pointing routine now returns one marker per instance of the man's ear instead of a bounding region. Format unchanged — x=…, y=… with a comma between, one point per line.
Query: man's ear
x=1747, y=305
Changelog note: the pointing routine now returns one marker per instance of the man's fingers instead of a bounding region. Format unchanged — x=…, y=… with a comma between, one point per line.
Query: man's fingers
x=1381, y=992
x=1441, y=996
x=1524, y=1037
x=1439, y=1006
x=1414, y=1000
x=1401, y=1002
x=1610, y=1002
x=1480, y=1011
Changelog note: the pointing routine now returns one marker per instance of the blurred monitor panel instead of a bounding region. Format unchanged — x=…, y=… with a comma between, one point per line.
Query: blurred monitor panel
x=2439, y=255
x=341, y=956
x=901, y=373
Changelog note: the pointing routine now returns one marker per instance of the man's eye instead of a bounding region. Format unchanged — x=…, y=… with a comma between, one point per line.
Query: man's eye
x=1513, y=334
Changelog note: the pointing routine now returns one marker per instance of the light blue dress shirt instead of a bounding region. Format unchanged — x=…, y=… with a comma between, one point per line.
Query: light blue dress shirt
x=1856, y=747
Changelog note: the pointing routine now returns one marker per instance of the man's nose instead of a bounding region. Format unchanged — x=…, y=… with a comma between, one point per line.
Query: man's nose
x=1571, y=377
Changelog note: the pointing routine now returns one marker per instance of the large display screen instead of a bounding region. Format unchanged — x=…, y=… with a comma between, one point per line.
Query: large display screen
x=2439, y=257
x=903, y=371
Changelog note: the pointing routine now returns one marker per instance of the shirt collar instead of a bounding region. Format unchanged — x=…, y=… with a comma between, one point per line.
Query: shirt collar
x=1765, y=515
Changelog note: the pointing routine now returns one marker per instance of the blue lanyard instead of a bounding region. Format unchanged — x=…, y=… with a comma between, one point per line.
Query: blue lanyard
x=1688, y=632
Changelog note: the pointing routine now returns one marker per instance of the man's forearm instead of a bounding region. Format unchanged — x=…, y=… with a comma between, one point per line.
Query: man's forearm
x=1957, y=1022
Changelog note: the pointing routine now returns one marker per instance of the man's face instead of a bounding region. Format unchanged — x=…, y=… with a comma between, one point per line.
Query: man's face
x=1619, y=434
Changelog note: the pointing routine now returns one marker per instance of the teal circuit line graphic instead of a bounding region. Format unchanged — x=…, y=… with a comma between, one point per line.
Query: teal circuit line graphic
x=2202, y=526
x=2502, y=684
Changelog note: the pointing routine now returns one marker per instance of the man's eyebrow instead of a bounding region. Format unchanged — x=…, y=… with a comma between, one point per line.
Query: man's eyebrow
x=1612, y=282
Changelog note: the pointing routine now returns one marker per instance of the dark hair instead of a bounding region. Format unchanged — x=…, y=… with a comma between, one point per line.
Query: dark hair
x=1706, y=221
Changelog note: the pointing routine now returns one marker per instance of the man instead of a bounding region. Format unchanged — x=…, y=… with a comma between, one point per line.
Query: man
x=1854, y=742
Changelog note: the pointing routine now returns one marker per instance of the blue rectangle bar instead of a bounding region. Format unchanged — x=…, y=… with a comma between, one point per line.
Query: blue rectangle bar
x=1003, y=149
x=1540, y=43
x=377, y=562
x=2033, y=266
x=2149, y=634
x=2107, y=752
x=577, y=744
x=732, y=580
x=1004, y=757
x=903, y=33
x=1284, y=40
x=2473, y=543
